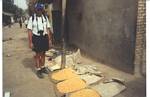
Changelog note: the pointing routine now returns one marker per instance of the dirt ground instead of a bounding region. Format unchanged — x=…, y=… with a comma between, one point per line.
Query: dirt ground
x=18, y=67
x=19, y=74
x=136, y=85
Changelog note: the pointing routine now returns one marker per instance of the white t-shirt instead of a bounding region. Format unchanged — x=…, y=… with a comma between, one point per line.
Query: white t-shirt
x=37, y=25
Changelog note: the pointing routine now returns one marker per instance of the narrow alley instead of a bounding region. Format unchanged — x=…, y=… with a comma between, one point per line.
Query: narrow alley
x=19, y=75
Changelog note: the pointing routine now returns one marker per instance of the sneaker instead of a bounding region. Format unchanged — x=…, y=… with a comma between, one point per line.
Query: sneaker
x=45, y=70
x=39, y=74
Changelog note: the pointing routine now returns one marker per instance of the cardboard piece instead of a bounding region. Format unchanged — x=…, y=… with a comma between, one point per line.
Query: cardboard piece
x=109, y=89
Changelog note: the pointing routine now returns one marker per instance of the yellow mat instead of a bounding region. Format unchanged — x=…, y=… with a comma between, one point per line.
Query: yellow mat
x=64, y=74
x=71, y=85
x=85, y=93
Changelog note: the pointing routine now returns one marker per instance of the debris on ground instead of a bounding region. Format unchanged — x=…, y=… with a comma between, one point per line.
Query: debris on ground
x=52, y=53
x=77, y=76
x=8, y=55
x=71, y=59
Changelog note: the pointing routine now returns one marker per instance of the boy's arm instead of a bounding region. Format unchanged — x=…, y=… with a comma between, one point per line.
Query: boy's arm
x=49, y=26
x=49, y=37
x=29, y=26
x=30, y=39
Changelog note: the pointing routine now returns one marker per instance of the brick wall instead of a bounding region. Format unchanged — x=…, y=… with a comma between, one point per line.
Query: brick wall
x=140, y=50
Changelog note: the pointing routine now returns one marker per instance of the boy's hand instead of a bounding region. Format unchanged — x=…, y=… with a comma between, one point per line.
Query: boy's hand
x=31, y=45
x=50, y=44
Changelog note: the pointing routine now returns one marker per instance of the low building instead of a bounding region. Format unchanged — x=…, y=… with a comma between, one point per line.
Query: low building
x=8, y=18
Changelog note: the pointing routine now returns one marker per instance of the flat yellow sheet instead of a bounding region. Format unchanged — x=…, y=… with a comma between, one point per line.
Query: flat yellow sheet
x=71, y=85
x=85, y=93
x=64, y=74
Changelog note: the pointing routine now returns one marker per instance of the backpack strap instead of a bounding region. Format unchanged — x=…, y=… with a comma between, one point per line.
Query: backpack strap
x=45, y=17
x=32, y=17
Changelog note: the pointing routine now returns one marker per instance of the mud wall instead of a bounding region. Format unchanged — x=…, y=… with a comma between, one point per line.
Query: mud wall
x=104, y=29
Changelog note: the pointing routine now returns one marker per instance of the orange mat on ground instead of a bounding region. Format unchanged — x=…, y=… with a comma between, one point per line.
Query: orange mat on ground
x=71, y=85
x=85, y=93
x=64, y=74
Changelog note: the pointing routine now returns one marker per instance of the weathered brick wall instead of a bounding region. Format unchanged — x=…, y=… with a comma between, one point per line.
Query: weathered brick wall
x=140, y=51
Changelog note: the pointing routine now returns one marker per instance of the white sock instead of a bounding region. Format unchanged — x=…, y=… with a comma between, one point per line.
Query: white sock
x=38, y=69
x=42, y=66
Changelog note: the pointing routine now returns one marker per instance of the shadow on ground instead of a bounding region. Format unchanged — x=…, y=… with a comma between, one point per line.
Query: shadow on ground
x=29, y=63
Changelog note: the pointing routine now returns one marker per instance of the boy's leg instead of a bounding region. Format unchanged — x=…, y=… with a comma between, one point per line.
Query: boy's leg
x=42, y=61
x=38, y=67
x=37, y=61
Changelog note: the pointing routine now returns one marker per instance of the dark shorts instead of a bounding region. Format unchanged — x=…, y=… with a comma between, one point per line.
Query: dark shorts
x=40, y=43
